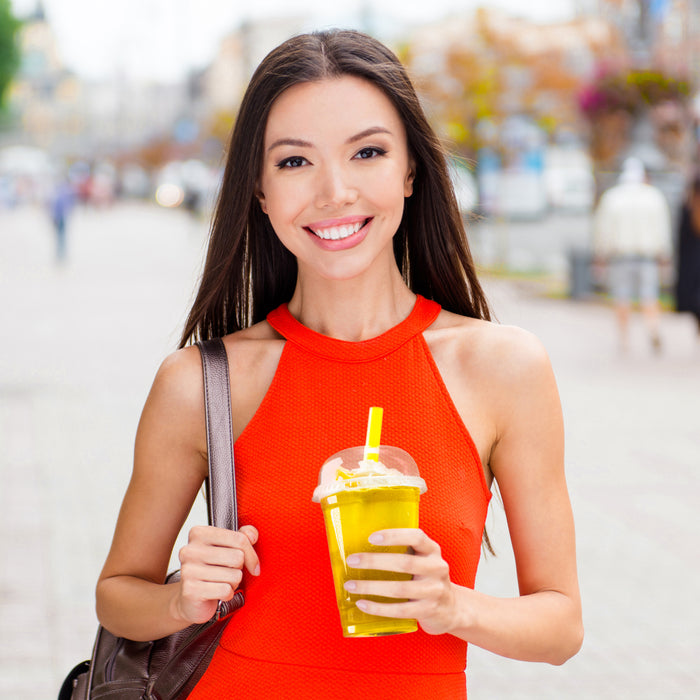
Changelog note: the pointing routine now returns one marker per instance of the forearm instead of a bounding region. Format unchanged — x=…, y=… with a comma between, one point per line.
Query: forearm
x=137, y=609
x=544, y=626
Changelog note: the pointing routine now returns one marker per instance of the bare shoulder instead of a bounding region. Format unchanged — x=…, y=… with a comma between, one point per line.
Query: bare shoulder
x=484, y=365
x=252, y=349
x=175, y=404
x=258, y=334
x=253, y=355
x=179, y=380
x=499, y=351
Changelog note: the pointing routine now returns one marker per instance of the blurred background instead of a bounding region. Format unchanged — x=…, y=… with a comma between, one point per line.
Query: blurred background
x=114, y=119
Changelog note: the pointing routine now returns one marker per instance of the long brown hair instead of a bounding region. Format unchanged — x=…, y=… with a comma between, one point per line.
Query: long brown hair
x=248, y=272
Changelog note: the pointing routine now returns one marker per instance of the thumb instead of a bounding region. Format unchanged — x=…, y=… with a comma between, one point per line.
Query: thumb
x=250, y=532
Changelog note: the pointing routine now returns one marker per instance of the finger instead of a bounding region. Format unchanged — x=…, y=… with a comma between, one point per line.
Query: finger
x=411, y=564
x=214, y=555
x=211, y=592
x=405, y=537
x=247, y=536
x=221, y=536
x=385, y=589
x=198, y=580
x=250, y=532
x=224, y=556
x=387, y=561
x=410, y=609
x=217, y=536
x=414, y=588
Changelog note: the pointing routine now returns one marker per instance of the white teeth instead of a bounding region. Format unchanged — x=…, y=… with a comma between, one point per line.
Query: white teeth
x=337, y=233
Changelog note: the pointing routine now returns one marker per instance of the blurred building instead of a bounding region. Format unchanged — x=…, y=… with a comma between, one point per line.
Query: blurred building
x=54, y=109
x=239, y=53
x=501, y=92
x=69, y=117
x=488, y=66
x=664, y=34
x=654, y=78
x=45, y=99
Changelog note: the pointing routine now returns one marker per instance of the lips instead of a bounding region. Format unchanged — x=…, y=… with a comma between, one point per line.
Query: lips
x=337, y=231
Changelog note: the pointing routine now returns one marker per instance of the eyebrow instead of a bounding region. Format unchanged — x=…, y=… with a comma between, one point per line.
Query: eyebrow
x=289, y=142
x=368, y=132
x=306, y=144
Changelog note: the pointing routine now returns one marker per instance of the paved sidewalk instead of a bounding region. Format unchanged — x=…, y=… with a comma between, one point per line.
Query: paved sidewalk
x=80, y=346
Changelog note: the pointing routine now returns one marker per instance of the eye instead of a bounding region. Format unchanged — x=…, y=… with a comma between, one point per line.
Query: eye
x=370, y=152
x=292, y=162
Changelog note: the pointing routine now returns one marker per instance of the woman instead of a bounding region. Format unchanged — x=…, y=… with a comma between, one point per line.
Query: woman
x=339, y=275
x=688, y=270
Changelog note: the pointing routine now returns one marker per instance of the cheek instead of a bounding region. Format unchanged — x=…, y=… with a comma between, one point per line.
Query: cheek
x=388, y=192
x=284, y=212
x=391, y=182
x=280, y=203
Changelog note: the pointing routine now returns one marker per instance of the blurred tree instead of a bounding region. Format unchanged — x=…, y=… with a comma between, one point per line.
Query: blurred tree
x=495, y=69
x=9, y=49
x=156, y=153
x=613, y=102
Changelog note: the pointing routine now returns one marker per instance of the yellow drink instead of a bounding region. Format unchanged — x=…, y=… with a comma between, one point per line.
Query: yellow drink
x=351, y=516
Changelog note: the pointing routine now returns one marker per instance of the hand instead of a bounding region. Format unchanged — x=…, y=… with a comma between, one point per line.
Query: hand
x=430, y=593
x=211, y=568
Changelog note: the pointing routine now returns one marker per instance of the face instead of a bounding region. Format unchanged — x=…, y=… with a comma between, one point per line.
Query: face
x=335, y=172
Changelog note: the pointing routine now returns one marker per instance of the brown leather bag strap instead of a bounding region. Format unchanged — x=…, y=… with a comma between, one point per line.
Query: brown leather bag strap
x=221, y=484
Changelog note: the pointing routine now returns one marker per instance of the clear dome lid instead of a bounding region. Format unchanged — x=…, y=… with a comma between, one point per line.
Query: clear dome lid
x=348, y=470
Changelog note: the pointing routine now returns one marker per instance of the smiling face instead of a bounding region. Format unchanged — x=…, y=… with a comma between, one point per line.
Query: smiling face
x=335, y=172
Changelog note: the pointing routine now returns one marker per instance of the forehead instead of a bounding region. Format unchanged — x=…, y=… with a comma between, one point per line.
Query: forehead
x=347, y=103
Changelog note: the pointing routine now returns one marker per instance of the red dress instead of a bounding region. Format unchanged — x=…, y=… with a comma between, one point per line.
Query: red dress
x=286, y=641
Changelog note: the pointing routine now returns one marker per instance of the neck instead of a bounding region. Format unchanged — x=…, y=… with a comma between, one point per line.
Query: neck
x=355, y=309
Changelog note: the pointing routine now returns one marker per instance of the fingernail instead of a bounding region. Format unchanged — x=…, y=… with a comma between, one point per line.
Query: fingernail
x=376, y=538
x=256, y=572
x=362, y=604
x=350, y=585
x=353, y=559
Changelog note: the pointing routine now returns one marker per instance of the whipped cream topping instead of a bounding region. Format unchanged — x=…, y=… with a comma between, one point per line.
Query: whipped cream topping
x=367, y=475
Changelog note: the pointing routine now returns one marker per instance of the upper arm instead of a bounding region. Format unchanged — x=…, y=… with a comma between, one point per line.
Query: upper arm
x=527, y=461
x=170, y=464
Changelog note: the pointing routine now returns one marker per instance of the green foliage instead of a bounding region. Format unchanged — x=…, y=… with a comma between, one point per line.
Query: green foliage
x=9, y=49
x=630, y=92
x=653, y=87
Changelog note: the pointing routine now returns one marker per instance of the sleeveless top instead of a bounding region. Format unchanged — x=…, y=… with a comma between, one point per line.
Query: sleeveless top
x=286, y=641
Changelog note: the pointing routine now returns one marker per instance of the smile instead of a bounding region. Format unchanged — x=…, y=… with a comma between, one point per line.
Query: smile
x=338, y=233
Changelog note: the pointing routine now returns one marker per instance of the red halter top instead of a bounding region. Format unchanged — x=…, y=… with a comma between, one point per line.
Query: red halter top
x=286, y=641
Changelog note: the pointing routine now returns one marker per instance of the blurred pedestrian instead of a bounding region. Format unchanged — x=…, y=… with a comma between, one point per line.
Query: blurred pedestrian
x=688, y=259
x=632, y=237
x=61, y=205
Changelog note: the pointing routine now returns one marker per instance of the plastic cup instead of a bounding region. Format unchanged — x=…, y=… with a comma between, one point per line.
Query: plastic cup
x=359, y=497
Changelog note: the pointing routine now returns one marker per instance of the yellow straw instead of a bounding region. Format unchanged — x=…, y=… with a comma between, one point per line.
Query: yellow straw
x=374, y=433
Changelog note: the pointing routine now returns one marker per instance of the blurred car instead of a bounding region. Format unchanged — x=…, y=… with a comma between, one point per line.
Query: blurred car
x=191, y=184
x=571, y=189
x=134, y=181
x=27, y=174
x=521, y=195
x=569, y=179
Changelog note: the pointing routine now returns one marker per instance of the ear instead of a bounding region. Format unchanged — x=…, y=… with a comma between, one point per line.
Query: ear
x=260, y=196
x=410, y=177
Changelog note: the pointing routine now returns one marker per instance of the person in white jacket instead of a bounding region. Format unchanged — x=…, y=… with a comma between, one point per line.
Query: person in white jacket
x=632, y=236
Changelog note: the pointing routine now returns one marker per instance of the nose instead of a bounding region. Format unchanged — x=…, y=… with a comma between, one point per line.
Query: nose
x=335, y=187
